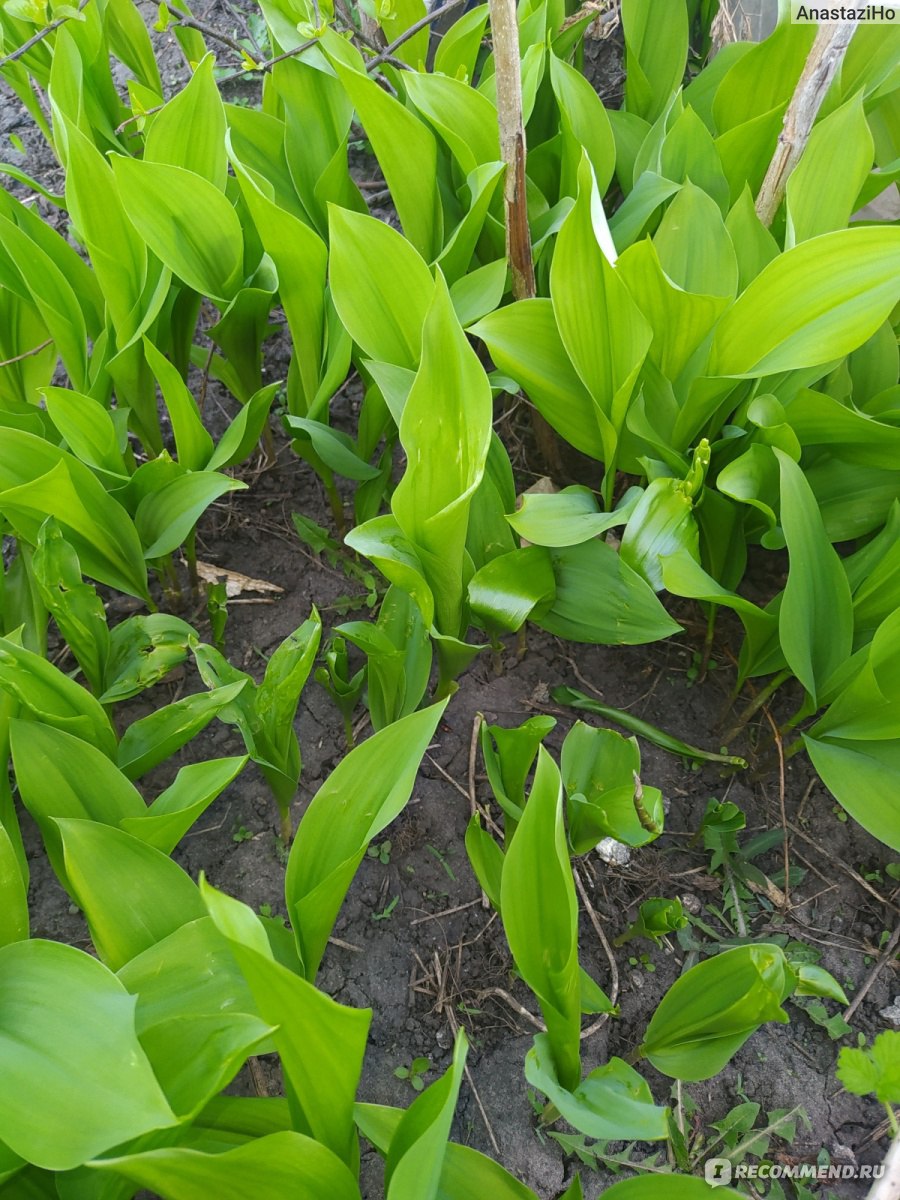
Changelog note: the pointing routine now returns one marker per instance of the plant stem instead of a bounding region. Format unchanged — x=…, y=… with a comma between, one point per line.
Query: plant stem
x=348, y=730
x=287, y=825
x=756, y=703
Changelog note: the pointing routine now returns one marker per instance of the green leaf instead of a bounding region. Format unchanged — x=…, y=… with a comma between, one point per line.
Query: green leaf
x=142, y=651
x=446, y=459
x=164, y=518
x=75, y=606
x=193, y=444
x=465, y=119
x=505, y=592
x=154, y=738
x=600, y=599
x=321, y=1043
x=694, y=248
x=94, y=1088
x=585, y=119
x=568, y=517
x=13, y=894
x=62, y=776
x=524, y=342
x=382, y=289
x=176, y=809
x=132, y=895
x=189, y=131
x=812, y=305
x=822, y=189
x=815, y=625
x=606, y=338
x=269, y=1168
x=405, y=147
x=540, y=917
x=47, y=695
x=364, y=793
x=613, y=1102
x=656, y=44
x=38, y=478
x=187, y=223
x=708, y=1014
x=415, y=1159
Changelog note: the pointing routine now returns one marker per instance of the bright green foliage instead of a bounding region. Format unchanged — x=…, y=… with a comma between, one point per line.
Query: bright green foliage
x=264, y=713
x=875, y=1068
x=708, y=1014
x=366, y=791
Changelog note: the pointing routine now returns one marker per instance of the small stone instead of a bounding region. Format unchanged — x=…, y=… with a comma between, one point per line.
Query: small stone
x=443, y=1038
x=892, y=1012
x=615, y=853
x=691, y=903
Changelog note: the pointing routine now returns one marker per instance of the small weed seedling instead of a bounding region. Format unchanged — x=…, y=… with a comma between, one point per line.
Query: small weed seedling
x=414, y=1073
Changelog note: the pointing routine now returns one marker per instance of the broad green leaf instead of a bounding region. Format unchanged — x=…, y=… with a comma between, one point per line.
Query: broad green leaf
x=334, y=447
x=509, y=755
x=242, y=435
x=583, y=114
x=812, y=305
x=680, y=319
x=118, y=254
x=382, y=289
x=656, y=44
x=75, y=606
x=816, y=621
x=405, y=147
x=321, y=1043
x=606, y=337
x=13, y=894
x=268, y=1168
x=600, y=599
x=189, y=131
x=46, y=694
x=663, y=522
x=708, y=1014
x=505, y=592
x=459, y=46
x=176, y=809
x=394, y=20
x=600, y=770
x=415, y=1159
x=364, y=793
x=38, y=478
x=694, y=248
x=525, y=343
x=132, y=895
x=754, y=246
x=165, y=204
x=820, y=420
x=823, y=187
x=613, y=1102
x=154, y=738
x=863, y=777
x=466, y=1174
x=88, y=430
x=688, y=152
x=189, y=973
x=464, y=118
x=94, y=1088
x=432, y=505
x=540, y=917
x=193, y=444
x=300, y=258
x=142, y=651
x=166, y=517
x=763, y=77
x=62, y=776
x=479, y=292
x=567, y=517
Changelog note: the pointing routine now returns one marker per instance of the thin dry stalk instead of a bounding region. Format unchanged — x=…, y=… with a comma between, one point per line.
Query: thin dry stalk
x=824, y=59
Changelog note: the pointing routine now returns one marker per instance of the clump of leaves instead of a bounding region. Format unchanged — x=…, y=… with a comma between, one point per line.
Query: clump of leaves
x=874, y=1069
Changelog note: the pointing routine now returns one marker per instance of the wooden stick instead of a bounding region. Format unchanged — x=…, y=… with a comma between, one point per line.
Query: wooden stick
x=505, y=36
x=824, y=59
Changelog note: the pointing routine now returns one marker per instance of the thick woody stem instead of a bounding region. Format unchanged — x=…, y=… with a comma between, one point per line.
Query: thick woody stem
x=505, y=36
x=824, y=59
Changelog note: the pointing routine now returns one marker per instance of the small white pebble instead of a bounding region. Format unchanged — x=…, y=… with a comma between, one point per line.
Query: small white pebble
x=892, y=1012
x=615, y=853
